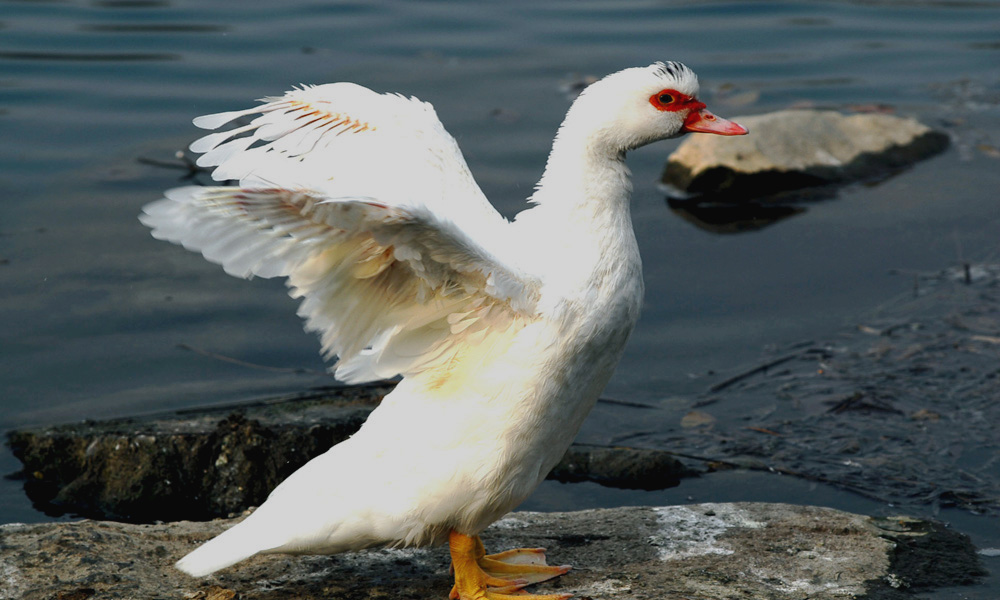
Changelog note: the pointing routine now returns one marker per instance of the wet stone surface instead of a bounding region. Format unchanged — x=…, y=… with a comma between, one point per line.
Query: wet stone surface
x=204, y=464
x=795, y=149
x=706, y=551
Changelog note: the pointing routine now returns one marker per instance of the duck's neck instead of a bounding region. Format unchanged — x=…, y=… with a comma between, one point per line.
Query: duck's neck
x=586, y=185
x=579, y=233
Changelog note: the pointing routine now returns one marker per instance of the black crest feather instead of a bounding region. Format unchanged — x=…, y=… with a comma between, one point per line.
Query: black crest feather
x=672, y=68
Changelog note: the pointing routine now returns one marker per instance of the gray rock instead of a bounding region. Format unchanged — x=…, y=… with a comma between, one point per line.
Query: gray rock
x=620, y=467
x=705, y=551
x=217, y=462
x=794, y=149
x=198, y=464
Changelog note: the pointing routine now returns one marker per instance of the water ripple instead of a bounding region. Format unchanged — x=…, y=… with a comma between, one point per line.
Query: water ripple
x=152, y=28
x=88, y=56
x=131, y=3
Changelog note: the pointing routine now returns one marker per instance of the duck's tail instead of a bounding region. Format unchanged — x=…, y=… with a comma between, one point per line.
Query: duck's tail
x=236, y=544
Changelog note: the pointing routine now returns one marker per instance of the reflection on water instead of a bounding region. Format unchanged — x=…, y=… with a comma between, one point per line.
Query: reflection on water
x=738, y=217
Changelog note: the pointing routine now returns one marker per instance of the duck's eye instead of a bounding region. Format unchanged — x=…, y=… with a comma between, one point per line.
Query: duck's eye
x=668, y=100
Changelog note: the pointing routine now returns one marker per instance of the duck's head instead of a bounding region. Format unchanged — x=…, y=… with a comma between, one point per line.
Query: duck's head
x=638, y=106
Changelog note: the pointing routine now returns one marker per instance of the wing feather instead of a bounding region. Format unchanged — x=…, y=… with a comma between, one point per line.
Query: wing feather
x=390, y=290
x=365, y=203
x=342, y=139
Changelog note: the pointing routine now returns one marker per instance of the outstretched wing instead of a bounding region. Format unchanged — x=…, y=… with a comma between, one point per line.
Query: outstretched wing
x=397, y=274
x=344, y=140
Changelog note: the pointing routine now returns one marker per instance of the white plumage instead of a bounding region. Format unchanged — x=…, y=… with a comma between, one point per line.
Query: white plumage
x=504, y=332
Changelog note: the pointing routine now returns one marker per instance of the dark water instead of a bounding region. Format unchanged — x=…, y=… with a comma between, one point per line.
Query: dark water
x=92, y=310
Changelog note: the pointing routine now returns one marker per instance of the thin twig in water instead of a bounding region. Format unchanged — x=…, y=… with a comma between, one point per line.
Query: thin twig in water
x=768, y=469
x=165, y=164
x=758, y=369
x=243, y=363
x=762, y=430
x=628, y=403
x=182, y=163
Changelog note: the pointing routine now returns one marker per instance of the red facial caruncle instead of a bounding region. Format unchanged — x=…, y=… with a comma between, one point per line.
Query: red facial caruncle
x=698, y=119
x=672, y=100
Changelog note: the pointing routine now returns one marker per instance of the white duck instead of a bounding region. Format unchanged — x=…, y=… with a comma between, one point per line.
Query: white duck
x=504, y=332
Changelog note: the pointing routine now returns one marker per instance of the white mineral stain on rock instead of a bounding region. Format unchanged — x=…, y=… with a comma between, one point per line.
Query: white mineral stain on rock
x=610, y=588
x=385, y=555
x=686, y=532
x=11, y=581
x=509, y=522
x=812, y=588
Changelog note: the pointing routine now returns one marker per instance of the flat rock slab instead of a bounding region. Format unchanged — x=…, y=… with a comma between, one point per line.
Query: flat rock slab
x=703, y=551
x=794, y=149
x=217, y=462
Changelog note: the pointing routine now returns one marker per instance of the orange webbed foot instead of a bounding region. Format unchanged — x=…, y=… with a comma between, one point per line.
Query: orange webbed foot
x=501, y=576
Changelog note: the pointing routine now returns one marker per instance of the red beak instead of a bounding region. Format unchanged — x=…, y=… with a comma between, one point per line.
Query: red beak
x=702, y=121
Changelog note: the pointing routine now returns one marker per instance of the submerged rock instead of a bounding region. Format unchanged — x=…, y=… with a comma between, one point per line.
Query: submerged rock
x=216, y=462
x=902, y=407
x=794, y=149
x=618, y=467
x=707, y=551
x=198, y=464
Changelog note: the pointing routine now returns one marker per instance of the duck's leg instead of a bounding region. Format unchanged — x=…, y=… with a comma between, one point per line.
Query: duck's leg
x=479, y=576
